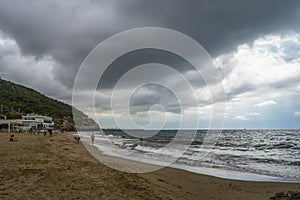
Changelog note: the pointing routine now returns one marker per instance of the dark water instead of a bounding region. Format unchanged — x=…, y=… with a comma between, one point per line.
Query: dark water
x=274, y=153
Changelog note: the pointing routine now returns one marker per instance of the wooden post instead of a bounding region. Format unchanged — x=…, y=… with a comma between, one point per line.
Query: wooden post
x=8, y=127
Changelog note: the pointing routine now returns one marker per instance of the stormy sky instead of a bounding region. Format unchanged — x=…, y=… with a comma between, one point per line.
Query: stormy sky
x=254, y=44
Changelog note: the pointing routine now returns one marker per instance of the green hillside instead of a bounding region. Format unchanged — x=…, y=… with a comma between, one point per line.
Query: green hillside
x=17, y=100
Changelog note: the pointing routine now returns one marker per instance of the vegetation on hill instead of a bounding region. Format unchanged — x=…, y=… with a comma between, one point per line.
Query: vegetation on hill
x=17, y=100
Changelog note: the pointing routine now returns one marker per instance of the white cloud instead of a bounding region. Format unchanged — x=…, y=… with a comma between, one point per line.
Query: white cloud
x=270, y=62
x=253, y=114
x=266, y=103
x=262, y=73
x=244, y=116
x=296, y=114
x=241, y=118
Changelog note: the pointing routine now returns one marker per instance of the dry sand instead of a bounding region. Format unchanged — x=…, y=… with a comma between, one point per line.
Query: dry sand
x=34, y=168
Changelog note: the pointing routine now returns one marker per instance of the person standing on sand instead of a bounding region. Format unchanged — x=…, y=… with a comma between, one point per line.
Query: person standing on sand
x=93, y=138
x=50, y=132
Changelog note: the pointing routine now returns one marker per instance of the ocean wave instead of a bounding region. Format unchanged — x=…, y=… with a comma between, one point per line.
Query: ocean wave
x=266, y=152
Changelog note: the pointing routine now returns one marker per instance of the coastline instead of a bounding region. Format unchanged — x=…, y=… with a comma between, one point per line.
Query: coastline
x=34, y=168
x=129, y=166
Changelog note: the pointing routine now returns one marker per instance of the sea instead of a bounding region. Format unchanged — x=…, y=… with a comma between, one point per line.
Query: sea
x=253, y=155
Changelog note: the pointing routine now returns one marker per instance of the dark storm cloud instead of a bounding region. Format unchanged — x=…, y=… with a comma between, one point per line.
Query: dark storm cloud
x=155, y=94
x=218, y=25
x=68, y=30
x=138, y=57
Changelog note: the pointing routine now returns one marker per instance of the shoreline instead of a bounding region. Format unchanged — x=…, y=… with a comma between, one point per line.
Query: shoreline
x=34, y=168
x=116, y=161
x=106, y=156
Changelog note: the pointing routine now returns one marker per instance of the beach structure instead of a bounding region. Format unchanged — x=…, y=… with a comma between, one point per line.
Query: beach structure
x=27, y=122
x=9, y=124
x=37, y=122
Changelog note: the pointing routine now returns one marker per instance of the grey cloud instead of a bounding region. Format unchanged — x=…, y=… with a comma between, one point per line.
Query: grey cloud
x=66, y=31
x=135, y=58
x=240, y=89
x=287, y=84
x=219, y=25
x=141, y=101
x=69, y=30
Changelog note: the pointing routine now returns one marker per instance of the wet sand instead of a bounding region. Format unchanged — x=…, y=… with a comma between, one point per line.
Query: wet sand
x=34, y=168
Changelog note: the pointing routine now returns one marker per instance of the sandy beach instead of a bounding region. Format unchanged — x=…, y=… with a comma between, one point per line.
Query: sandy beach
x=34, y=168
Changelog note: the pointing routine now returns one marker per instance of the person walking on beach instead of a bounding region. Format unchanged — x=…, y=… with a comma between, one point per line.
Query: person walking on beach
x=50, y=133
x=93, y=138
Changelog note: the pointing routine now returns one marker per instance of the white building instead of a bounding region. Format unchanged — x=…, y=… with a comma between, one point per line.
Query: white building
x=37, y=122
